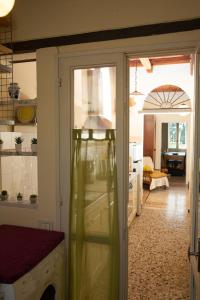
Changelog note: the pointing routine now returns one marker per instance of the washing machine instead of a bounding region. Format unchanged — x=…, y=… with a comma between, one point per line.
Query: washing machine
x=32, y=264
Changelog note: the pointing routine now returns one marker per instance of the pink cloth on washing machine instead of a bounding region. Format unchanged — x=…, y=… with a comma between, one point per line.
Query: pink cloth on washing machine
x=22, y=248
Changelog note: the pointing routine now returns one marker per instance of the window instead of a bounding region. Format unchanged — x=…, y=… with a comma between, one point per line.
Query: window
x=177, y=136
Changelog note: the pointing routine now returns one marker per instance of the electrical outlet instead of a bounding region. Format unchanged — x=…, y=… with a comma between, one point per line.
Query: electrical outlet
x=45, y=224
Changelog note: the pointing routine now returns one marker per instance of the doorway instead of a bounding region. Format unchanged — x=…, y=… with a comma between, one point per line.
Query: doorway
x=160, y=126
x=65, y=125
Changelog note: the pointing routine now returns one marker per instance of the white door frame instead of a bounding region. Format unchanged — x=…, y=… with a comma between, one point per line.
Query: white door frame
x=139, y=51
x=67, y=65
x=195, y=186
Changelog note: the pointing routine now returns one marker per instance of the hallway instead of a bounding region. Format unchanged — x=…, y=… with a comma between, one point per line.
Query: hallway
x=158, y=244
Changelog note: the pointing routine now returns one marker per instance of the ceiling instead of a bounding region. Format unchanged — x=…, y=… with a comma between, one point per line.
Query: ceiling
x=149, y=62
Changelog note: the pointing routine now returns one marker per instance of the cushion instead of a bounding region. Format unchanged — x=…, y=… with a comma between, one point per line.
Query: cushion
x=158, y=174
x=147, y=168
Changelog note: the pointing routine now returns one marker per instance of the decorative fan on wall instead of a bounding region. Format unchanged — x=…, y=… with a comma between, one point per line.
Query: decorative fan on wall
x=167, y=97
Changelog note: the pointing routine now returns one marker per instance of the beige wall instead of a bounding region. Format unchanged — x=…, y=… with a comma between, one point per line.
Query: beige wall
x=25, y=75
x=136, y=124
x=48, y=120
x=48, y=136
x=18, y=216
x=38, y=19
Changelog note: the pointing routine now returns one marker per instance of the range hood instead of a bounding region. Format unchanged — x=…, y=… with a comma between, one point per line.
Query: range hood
x=97, y=122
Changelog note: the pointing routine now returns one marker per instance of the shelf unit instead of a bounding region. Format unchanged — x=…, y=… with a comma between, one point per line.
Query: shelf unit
x=21, y=181
x=26, y=102
x=6, y=71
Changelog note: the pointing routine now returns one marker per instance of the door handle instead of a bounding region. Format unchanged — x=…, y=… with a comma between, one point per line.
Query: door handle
x=196, y=254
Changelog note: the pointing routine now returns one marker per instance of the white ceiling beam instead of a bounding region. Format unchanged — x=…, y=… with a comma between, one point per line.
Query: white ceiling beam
x=192, y=62
x=146, y=63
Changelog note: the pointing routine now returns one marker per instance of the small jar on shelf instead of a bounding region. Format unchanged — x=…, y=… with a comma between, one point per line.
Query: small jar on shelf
x=14, y=90
x=33, y=199
x=1, y=144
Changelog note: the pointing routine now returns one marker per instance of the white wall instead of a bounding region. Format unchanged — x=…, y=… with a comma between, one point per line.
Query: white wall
x=136, y=123
x=177, y=74
x=25, y=75
x=38, y=19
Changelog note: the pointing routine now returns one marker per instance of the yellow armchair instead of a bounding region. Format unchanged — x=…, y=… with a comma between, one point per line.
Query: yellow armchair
x=153, y=178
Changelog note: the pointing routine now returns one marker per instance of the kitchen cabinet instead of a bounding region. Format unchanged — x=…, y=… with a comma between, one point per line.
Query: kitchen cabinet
x=133, y=197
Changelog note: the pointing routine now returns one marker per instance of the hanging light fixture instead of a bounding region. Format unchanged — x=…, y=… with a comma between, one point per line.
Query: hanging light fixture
x=132, y=101
x=5, y=7
x=136, y=92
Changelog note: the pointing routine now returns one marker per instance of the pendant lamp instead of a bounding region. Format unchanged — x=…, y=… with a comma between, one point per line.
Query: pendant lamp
x=136, y=92
x=5, y=7
x=131, y=101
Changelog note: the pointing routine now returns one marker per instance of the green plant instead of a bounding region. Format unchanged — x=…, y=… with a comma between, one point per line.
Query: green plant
x=33, y=198
x=1, y=141
x=19, y=196
x=4, y=195
x=19, y=140
x=34, y=141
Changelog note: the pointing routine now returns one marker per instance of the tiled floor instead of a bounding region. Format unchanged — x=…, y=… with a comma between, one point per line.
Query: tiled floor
x=158, y=244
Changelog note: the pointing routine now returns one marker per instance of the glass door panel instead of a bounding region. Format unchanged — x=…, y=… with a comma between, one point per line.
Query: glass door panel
x=93, y=120
x=94, y=239
x=94, y=98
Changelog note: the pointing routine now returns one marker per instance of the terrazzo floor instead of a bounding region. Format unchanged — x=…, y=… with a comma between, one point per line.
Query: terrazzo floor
x=158, y=244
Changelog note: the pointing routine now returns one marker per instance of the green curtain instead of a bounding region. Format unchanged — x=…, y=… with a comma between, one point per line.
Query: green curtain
x=94, y=228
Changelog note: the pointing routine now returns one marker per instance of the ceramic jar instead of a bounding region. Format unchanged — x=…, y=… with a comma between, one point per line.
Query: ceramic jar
x=34, y=148
x=18, y=147
x=14, y=90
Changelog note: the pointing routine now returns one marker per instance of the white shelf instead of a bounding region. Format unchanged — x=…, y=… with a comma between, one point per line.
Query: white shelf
x=7, y=122
x=12, y=152
x=26, y=102
x=5, y=69
x=22, y=204
x=5, y=50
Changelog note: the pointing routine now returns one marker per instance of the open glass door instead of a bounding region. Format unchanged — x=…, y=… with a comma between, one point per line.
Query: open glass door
x=94, y=139
x=194, y=250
